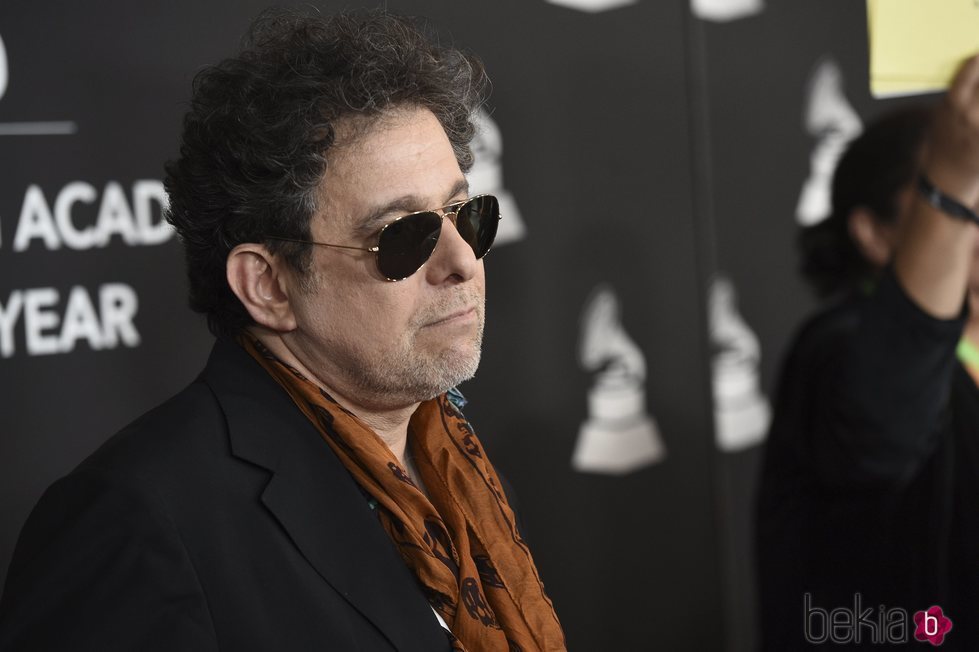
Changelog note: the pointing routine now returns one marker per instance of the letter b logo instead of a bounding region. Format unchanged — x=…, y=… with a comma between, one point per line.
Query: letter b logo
x=931, y=625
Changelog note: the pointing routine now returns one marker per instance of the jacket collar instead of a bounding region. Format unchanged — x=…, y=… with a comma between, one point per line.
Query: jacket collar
x=316, y=500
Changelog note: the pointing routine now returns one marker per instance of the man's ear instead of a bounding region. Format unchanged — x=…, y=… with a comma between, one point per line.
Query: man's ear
x=874, y=239
x=259, y=280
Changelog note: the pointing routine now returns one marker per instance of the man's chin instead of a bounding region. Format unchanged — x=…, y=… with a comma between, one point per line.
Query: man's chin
x=424, y=379
x=459, y=369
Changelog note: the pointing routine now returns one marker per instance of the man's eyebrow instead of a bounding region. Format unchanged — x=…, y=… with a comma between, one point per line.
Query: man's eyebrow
x=403, y=205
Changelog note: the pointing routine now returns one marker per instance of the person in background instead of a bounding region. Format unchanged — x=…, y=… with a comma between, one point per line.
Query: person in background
x=317, y=487
x=871, y=470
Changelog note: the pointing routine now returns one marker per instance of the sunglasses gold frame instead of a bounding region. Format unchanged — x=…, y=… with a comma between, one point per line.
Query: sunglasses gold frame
x=442, y=212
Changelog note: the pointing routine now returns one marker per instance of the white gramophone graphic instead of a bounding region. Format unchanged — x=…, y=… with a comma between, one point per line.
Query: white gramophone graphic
x=4, y=75
x=725, y=10
x=618, y=436
x=592, y=6
x=833, y=121
x=486, y=176
x=741, y=411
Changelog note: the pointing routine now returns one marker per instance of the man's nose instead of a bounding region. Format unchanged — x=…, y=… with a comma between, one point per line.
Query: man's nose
x=453, y=255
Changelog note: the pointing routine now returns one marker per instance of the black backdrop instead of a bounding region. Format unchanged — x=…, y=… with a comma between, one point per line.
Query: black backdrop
x=646, y=148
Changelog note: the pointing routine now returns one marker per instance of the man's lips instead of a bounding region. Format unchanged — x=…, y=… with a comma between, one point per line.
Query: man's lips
x=459, y=316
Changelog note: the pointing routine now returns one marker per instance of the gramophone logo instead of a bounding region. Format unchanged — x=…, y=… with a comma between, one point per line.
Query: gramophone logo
x=834, y=123
x=619, y=435
x=3, y=69
x=721, y=11
x=27, y=128
x=486, y=176
x=592, y=6
x=741, y=411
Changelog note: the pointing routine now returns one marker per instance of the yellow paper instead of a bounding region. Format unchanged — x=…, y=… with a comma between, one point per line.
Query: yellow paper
x=917, y=45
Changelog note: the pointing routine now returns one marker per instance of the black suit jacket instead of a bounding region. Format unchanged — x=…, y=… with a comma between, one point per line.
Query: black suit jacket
x=219, y=520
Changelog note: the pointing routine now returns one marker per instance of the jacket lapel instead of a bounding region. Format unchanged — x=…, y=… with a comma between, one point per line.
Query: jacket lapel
x=316, y=500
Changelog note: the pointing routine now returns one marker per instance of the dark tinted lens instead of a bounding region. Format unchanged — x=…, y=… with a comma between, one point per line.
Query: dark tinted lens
x=406, y=244
x=477, y=221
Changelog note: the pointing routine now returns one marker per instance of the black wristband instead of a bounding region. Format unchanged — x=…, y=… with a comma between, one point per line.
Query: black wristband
x=943, y=202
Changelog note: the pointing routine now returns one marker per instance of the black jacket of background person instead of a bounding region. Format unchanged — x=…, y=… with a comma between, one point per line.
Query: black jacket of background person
x=220, y=520
x=870, y=481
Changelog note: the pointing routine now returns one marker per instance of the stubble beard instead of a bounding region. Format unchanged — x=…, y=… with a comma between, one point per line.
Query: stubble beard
x=414, y=371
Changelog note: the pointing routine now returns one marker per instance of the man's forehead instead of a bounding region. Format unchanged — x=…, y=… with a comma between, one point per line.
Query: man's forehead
x=356, y=133
x=370, y=214
x=385, y=166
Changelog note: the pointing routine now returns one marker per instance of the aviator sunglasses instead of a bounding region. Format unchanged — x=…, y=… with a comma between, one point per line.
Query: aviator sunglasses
x=407, y=243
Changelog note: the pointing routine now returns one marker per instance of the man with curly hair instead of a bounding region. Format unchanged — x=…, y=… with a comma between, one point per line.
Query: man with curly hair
x=317, y=487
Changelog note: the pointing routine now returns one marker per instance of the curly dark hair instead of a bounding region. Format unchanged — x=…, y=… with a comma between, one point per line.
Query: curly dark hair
x=255, y=140
x=871, y=174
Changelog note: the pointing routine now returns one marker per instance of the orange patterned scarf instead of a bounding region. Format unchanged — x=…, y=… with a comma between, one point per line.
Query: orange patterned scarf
x=460, y=540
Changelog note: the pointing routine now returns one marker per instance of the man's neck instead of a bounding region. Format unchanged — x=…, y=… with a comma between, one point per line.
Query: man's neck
x=390, y=424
